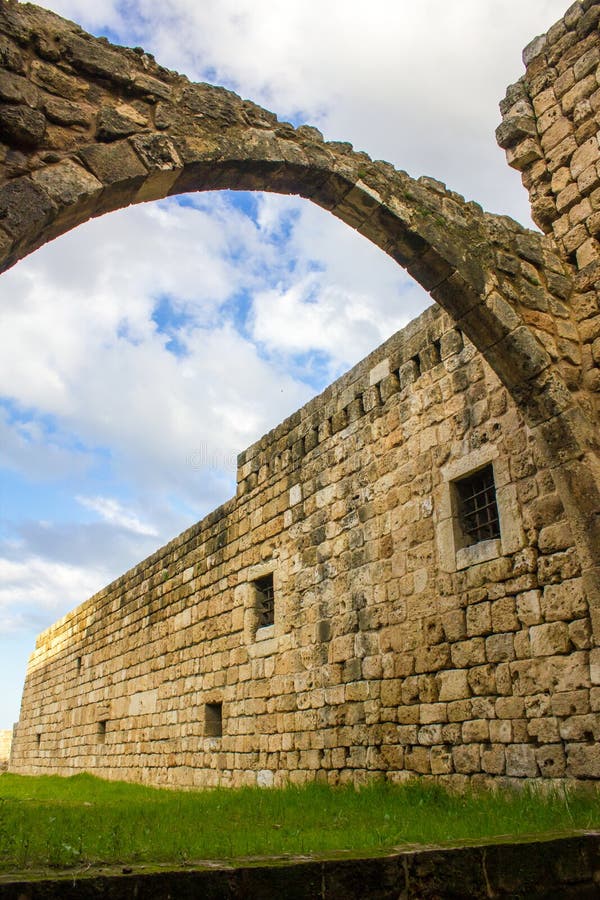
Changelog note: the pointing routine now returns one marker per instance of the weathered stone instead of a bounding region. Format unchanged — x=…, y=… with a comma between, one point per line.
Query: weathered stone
x=561, y=602
x=398, y=644
x=528, y=608
x=521, y=761
x=546, y=640
x=453, y=685
x=67, y=183
x=64, y=112
x=24, y=208
x=15, y=89
x=119, y=122
x=467, y=759
x=21, y=126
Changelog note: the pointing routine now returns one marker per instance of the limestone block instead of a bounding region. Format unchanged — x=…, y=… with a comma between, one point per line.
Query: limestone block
x=595, y=666
x=482, y=679
x=551, y=673
x=529, y=608
x=468, y=653
x=476, y=731
x=409, y=715
x=583, y=760
x=459, y=710
x=501, y=731
x=467, y=759
x=584, y=156
x=547, y=640
x=454, y=625
x=433, y=712
x=392, y=756
x=504, y=617
x=493, y=759
x=453, y=685
x=551, y=760
x=428, y=735
x=580, y=728
x=521, y=761
x=417, y=759
x=580, y=634
x=479, y=619
x=499, y=647
x=544, y=731
x=510, y=707
x=570, y=703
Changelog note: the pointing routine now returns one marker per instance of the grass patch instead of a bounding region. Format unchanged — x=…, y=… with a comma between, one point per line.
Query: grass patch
x=48, y=822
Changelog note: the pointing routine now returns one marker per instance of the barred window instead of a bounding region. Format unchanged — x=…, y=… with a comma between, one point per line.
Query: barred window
x=265, y=600
x=477, y=507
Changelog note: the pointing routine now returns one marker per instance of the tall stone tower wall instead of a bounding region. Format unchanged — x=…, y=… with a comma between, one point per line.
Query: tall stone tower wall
x=342, y=617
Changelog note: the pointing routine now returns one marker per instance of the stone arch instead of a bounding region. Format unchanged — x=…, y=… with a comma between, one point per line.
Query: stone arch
x=89, y=128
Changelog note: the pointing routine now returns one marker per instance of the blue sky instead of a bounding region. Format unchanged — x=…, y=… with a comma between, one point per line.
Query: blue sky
x=143, y=351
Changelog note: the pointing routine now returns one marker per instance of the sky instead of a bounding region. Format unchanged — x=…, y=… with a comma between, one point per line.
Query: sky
x=141, y=352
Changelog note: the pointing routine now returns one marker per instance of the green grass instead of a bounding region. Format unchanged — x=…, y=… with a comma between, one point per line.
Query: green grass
x=57, y=822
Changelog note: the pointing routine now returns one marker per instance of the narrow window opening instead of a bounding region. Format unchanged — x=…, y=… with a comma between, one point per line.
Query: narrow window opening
x=417, y=363
x=265, y=600
x=437, y=352
x=102, y=731
x=38, y=739
x=78, y=663
x=477, y=506
x=213, y=720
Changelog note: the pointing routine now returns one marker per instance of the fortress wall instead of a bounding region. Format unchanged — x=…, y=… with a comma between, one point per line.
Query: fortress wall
x=394, y=651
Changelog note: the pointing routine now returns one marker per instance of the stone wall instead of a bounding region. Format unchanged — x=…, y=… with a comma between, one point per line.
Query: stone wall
x=394, y=650
x=551, y=122
x=5, y=745
x=399, y=645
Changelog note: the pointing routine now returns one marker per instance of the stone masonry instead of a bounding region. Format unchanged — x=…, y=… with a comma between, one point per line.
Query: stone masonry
x=339, y=619
x=5, y=744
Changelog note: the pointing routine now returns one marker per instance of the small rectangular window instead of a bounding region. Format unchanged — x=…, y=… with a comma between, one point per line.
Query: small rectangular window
x=38, y=738
x=102, y=731
x=477, y=507
x=78, y=664
x=265, y=600
x=213, y=720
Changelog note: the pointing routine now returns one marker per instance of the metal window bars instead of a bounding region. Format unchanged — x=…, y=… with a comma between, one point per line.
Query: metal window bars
x=265, y=596
x=478, y=510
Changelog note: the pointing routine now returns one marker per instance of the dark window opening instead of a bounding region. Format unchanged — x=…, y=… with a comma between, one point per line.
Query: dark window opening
x=213, y=720
x=78, y=664
x=102, y=731
x=265, y=600
x=477, y=507
x=38, y=738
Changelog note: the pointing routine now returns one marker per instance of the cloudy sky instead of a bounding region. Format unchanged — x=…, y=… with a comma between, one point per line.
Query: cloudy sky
x=140, y=353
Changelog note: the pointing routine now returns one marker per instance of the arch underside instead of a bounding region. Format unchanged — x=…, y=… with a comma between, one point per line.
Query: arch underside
x=89, y=128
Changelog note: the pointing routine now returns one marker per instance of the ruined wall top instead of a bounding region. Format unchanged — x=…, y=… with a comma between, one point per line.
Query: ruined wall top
x=551, y=118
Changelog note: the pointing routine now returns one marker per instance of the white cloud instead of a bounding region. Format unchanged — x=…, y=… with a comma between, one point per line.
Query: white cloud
x=78, y=340
x=114, y=512
x=36, y=590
